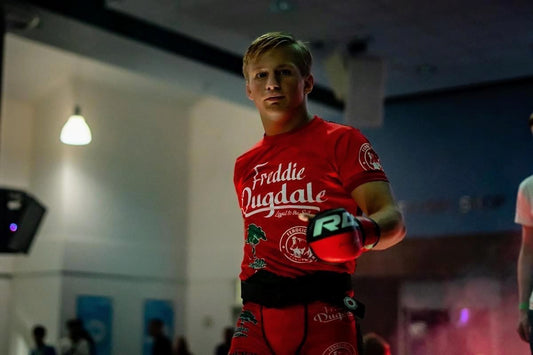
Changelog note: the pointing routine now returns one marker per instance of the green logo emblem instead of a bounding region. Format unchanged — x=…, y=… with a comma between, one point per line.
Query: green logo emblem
x=255, y=236
x=258, y=263
x=240, y=332
x=247, y=316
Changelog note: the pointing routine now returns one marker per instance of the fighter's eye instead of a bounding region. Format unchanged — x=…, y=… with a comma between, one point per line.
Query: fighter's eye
x=260, y=75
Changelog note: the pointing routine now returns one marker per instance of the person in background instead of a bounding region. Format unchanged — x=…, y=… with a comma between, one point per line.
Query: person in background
x=182, y=347
x=223, y=348
x=76, y=343
x=374, y=344
x=524, y=217
x=161, y=343
x=39, y=333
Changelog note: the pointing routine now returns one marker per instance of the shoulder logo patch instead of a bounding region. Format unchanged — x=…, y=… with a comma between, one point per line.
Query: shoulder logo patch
x=368, y=158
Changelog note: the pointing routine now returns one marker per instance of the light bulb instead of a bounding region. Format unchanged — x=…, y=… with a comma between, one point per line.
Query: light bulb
x=76, y=131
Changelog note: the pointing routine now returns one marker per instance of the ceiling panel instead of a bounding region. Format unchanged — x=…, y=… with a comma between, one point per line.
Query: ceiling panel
x=469, y=42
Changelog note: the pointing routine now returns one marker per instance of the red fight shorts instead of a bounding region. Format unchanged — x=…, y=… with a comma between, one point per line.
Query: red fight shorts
x=317, y=328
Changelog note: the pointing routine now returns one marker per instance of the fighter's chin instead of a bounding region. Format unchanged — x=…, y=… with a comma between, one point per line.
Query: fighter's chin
x=276, y=113
x=273, y=105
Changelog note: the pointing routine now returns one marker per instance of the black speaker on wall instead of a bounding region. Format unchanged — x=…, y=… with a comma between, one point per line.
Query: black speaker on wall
x=20, y=217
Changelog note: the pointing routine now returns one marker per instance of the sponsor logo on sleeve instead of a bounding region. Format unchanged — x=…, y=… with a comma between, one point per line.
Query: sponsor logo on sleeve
x=368, y=158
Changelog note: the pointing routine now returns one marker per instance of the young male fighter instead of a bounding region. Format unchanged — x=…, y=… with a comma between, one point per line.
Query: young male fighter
x=296, y=299
x=524, y=217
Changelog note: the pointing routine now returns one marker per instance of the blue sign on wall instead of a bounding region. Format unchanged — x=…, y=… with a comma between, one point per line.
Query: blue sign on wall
x=157, y=309
x=96, y=312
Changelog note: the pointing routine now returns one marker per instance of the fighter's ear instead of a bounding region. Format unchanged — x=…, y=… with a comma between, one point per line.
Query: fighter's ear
x=309, y=82
x=249, y=91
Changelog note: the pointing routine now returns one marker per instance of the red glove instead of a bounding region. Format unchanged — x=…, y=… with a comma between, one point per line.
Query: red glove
x=337, y=236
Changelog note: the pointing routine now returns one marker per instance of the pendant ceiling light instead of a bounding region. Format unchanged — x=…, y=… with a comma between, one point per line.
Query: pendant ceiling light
x=76, y=131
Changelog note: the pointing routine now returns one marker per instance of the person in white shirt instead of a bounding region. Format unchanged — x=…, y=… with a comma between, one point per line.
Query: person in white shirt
x=524, y=217
x=75, y=343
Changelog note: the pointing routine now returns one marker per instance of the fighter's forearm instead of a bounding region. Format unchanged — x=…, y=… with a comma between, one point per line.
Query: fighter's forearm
x=524, y=274
x=391, y=225
x=525, y=265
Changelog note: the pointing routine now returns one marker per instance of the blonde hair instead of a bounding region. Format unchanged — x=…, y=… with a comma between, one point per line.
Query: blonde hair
x=271, y=40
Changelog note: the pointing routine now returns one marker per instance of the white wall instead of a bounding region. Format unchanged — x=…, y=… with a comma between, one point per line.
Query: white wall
x=219, y=133
x=34, y=284
x=16, y=127
x=36, y=299
x=124, y=204
x=116, y=219
x=5, y=298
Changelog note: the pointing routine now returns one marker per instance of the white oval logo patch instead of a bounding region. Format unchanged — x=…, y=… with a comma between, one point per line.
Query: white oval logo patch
x=368, y=159
x=293, y=244
x=342, y=348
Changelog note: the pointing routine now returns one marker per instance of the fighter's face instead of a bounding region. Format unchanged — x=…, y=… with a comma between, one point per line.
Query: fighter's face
x=276, y=85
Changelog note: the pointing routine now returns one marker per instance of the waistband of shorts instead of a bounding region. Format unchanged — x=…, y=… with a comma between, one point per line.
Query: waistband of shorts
x=270, y=290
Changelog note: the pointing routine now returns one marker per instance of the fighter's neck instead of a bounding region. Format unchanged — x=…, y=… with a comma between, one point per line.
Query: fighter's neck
x=285, y=124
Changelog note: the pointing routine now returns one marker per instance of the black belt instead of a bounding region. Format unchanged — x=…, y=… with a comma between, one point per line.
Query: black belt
x=271, y=290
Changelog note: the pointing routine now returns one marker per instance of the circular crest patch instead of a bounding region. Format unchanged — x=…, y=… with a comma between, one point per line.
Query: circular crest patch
x=293, y=244
x=368, y=159
x=342, y=348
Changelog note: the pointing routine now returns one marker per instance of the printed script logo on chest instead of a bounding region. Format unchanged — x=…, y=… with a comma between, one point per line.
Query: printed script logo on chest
x=282, y=173
x=267, y=195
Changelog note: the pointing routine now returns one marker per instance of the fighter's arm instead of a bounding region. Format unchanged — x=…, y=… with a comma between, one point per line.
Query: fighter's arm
x=377, y=202
x=524, y=275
